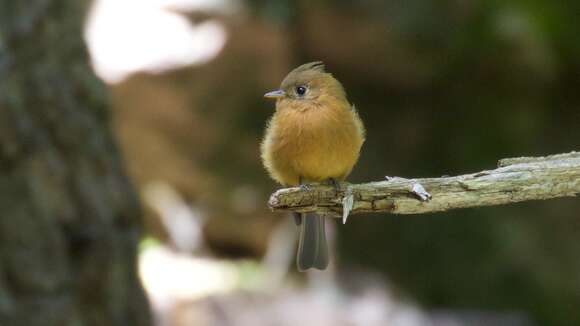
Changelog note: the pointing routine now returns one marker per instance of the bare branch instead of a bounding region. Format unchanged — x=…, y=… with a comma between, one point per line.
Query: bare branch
x=517, y=179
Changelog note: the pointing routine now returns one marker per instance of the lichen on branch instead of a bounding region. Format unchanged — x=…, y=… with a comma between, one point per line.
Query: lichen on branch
x=515, y=180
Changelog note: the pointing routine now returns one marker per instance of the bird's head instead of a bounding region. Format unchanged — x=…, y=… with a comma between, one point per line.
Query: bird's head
x=308, y=84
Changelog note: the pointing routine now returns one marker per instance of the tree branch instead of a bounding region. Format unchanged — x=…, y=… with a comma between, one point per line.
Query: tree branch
x=515, y=180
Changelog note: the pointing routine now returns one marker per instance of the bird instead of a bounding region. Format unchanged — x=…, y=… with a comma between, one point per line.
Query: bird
x=315, y=135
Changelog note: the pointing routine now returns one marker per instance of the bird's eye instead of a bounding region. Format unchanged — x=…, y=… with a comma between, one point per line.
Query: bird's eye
x=301, y=90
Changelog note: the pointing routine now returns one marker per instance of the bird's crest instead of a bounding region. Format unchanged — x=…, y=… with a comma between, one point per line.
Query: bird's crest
x=314, y=66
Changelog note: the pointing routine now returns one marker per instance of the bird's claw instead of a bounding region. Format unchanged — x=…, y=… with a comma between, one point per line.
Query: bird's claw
x=332, y=182
x=305, y=187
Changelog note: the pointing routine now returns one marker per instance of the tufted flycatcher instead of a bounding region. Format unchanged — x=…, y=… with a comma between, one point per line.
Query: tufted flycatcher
x=315, y=135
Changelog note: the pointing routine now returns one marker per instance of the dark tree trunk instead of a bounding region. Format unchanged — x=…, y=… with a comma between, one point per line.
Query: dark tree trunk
x=68, y=216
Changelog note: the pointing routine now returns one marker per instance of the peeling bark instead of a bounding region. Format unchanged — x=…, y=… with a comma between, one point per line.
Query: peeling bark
x=516, y=180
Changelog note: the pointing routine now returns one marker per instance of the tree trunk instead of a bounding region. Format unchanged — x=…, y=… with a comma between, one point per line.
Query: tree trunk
x=68, y=215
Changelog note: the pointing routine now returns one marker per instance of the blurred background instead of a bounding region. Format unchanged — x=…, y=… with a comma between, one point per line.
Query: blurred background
x=444, y=88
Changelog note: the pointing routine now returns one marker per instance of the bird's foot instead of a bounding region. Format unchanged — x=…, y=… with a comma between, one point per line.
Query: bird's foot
x=334, y=183
x=305, y=187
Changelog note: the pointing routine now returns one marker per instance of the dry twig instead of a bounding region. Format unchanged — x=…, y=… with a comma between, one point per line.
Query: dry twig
x=515, y=180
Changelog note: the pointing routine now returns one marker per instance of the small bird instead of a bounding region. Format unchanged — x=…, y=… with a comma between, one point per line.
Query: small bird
x=315, y=135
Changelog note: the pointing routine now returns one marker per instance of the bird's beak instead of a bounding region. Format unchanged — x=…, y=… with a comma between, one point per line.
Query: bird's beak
x=275, y=94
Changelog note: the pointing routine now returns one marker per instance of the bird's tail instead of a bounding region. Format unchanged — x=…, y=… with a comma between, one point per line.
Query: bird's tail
x=312, y=249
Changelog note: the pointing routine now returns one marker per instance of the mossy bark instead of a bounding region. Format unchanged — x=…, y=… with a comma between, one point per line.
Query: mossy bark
x=69, y=219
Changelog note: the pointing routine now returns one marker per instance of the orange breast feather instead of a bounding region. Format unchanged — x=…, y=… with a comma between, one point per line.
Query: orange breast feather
x=315, y=144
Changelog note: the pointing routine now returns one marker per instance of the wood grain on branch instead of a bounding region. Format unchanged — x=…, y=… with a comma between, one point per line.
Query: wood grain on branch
x=515, y=180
